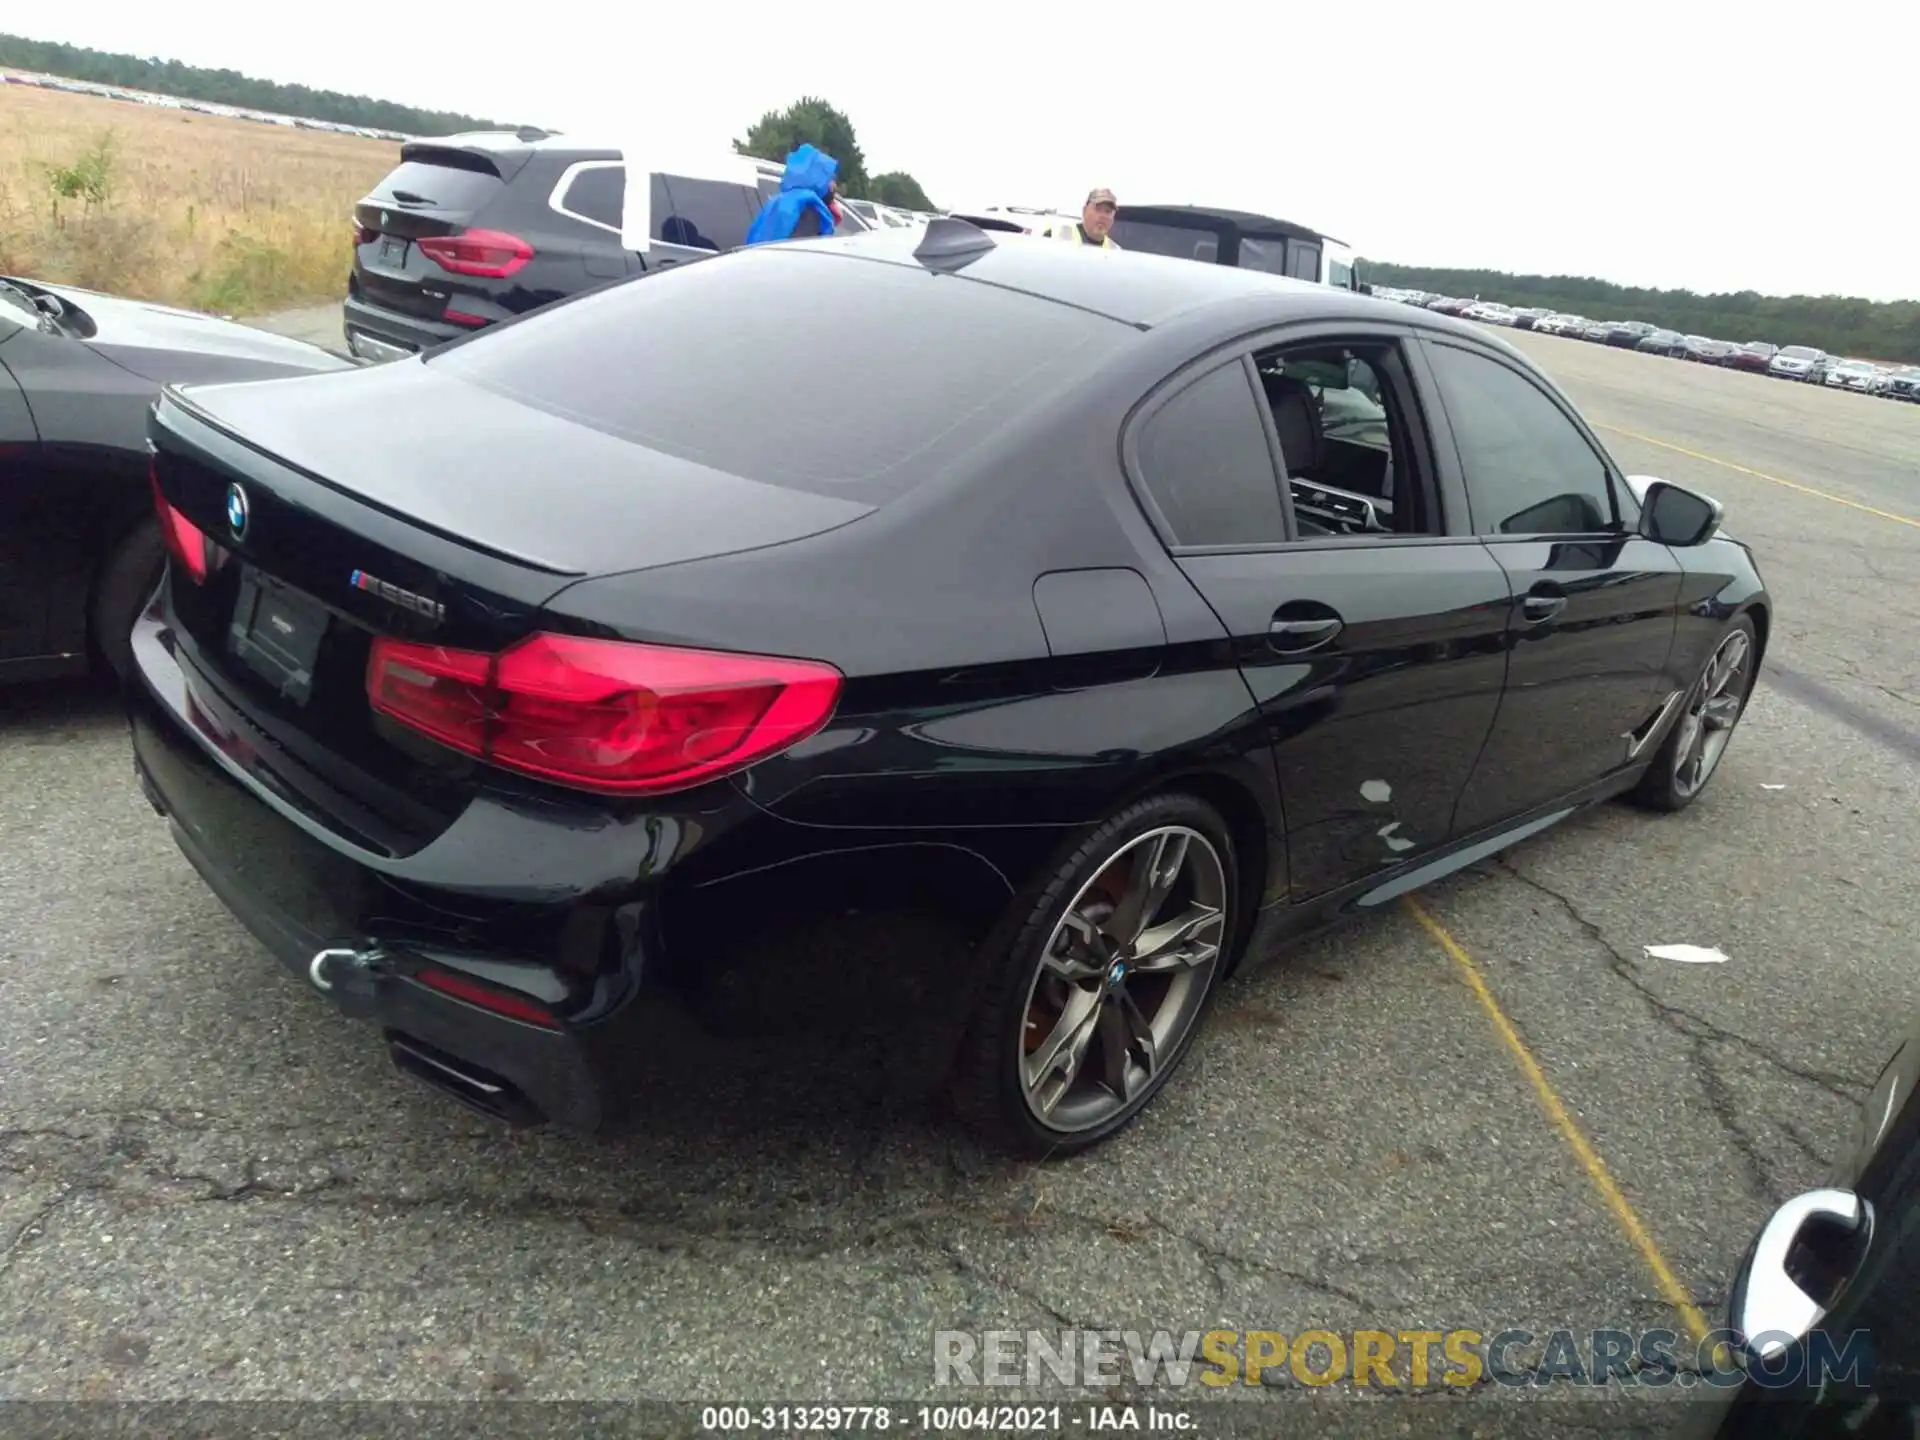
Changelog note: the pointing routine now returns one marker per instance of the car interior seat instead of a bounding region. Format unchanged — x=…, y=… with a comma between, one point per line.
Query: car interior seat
x=1296, y=418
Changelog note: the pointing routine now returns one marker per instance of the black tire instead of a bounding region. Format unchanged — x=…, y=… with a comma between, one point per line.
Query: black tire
x=1660, y=788
x=121, y=591
x=986, y=1090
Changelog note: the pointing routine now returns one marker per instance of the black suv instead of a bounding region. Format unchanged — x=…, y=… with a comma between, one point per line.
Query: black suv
x=480, y=227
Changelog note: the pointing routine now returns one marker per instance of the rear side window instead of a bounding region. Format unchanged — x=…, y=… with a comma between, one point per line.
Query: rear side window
x=1204, y=458
x=818, y=372
x=703, y=214
x=1267, y=255
x=1183, y=242
x=1303, y=261
x=599, y=194
x=417, y=185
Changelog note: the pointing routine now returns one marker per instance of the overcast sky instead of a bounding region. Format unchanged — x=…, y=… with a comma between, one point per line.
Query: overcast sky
x=1712, y=146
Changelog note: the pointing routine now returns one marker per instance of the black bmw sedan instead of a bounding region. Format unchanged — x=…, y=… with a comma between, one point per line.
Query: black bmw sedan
x=1126, y=614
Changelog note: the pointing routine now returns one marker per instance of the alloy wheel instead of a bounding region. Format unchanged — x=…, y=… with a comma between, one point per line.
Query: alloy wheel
x=1122, y=979
x=1711, y=714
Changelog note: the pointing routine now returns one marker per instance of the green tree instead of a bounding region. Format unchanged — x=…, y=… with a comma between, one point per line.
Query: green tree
x=778, y=133
x=899, y=189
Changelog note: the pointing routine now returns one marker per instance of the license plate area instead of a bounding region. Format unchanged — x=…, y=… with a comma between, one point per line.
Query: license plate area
x=391, y=253
x=276, y=632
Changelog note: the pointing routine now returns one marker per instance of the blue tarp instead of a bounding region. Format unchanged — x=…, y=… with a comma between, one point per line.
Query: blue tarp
x=804, y=186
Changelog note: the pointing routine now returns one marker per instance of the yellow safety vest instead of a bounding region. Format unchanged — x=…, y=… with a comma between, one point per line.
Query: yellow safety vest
x=1077, y=236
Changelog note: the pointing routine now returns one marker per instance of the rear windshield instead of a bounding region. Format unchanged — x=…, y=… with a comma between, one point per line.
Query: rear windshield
x=418, y=185
x=818, y=372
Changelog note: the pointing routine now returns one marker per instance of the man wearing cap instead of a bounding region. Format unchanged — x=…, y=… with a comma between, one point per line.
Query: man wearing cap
x=1096, y=222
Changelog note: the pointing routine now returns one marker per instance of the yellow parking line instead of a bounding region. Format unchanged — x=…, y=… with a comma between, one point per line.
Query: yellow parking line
x=1564, y=1122
x=1761, y=475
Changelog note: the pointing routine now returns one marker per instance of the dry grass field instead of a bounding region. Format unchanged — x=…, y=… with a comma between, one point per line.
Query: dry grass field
x=231, y=216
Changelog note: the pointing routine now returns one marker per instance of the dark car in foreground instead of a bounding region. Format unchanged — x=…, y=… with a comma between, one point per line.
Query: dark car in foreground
x=79, y=548
x=1825, y=1305
x=477, y=228
x=1159, y=612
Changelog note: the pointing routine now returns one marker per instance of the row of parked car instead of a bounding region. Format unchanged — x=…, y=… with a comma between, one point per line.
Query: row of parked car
x=1792, y=362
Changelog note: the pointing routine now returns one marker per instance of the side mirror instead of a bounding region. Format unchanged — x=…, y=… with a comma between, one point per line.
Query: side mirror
x=1673, y=516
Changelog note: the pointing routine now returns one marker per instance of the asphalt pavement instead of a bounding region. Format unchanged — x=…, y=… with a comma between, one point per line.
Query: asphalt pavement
x=1495, y=1111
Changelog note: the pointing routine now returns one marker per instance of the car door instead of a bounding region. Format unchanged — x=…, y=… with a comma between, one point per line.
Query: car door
x=1594, y=603
x=23, y=609
x=1833, y=1279
x=1374, y=659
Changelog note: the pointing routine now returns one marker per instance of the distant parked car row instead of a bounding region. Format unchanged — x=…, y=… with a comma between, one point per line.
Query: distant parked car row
x=202, y=107
x=1792, y=362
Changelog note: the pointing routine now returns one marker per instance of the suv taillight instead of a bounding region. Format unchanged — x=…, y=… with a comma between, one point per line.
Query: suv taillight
x=490, y=254
x=363, y=234
x=603, y=715
x=186, y=542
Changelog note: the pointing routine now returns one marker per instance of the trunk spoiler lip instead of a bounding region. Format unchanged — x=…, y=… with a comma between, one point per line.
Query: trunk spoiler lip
x=177, y=415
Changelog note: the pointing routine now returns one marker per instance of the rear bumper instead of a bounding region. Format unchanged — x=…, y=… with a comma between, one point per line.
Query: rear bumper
x=374, y=333
x=300, y=898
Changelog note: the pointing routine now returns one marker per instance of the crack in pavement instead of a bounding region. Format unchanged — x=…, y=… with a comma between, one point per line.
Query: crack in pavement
x=117, y=1164
x=29, y=1228
x=1678, y=1017
x=1701, y=1035
x=1219, y=1255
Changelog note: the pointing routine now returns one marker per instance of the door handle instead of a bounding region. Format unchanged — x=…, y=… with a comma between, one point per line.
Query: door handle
x=1770, y=1310
x=1294, y=636
x=1541, y=605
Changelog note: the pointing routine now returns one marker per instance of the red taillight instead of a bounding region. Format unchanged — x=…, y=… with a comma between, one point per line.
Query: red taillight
x=600, y=714
x=186, y=541
x=491, y=254
x=364, y=234
x=488, y=997
x=461, y=317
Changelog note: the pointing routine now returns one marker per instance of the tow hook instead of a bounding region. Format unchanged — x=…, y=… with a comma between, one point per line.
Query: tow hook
x=351, y=977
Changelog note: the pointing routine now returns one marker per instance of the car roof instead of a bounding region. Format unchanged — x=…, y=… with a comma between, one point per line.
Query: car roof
x=1132, y=287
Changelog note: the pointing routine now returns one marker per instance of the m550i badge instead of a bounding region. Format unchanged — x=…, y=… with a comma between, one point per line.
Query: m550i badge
x=405, y=599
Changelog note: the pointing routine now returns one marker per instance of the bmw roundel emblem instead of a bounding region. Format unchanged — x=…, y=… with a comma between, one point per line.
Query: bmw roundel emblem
x=237, y=511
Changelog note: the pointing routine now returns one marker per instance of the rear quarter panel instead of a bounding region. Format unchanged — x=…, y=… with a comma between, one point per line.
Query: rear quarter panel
x=964, y=718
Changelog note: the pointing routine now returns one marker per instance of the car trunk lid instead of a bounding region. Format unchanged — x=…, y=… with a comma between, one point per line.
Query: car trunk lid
x=355, y=511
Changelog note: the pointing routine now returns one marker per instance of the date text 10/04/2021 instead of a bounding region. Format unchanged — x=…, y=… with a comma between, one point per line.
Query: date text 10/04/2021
x=943, y=1419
